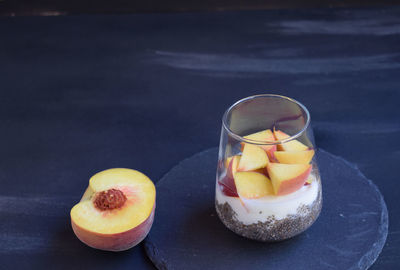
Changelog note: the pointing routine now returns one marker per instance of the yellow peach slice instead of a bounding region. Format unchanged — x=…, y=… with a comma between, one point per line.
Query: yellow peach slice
x=227, y=161
x=233, y=165
x=287, y=178
x=116, y=211
x=252, y=185
x=253, y=158
x=264, y=136
x=293, y=145
x=294, y=157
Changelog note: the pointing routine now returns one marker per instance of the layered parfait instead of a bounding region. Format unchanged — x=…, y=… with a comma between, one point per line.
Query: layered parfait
x=269, y=192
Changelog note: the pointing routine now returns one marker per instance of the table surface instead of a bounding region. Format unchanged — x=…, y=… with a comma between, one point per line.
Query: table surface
x=80, y=94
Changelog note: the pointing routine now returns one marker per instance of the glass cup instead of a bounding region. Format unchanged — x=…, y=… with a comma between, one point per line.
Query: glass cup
x=268, y=185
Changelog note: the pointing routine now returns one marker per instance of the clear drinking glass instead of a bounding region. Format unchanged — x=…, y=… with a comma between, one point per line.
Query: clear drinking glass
x=268, y=185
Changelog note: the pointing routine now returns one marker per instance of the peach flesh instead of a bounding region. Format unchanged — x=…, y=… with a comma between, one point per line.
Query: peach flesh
x=293, y=145
x=232, y=167
x=253, y=158
x=295, y=157
x=269, y=149
x=289, y=186
x=252, y=185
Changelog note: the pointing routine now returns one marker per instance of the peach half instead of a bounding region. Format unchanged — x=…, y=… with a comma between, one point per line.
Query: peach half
x=293, y=145
x=287, y=178
x=116, y=211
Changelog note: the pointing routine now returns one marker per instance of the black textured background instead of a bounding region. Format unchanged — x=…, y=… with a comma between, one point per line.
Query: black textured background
x=80, y=94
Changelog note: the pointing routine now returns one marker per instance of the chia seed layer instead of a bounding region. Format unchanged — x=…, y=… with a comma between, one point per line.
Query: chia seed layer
x=272, y=230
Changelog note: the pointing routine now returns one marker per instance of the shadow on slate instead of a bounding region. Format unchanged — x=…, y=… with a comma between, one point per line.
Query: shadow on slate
x=187, y=233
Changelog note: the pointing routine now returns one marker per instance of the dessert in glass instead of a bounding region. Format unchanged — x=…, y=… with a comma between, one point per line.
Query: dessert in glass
x=268, y=185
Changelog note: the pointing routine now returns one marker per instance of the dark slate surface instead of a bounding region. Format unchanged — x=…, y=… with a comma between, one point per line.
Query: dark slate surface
x=81, y=94
x=349, y=234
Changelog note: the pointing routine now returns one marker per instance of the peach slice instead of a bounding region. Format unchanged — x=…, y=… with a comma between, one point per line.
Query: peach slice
x=287, y=178
x=233, y=165
x=228, y=187
x=253, y=158
x=266, y=136
x=227, y=161
x=252, y=185
x=227, y=182
x=116, y=211
x=294, y=157
x=293, y=145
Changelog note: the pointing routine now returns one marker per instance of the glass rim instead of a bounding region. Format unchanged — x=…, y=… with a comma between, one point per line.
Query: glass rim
x=241, y=138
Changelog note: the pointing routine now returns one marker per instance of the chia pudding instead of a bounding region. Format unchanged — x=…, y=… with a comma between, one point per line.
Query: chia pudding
x=268, y=185
x=271, y=218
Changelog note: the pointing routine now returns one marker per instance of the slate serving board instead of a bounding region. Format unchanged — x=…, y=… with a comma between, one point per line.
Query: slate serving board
x=349, y=234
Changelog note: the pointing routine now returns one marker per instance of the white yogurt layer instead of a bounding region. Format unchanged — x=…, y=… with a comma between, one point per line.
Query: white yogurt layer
x=255, y=210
